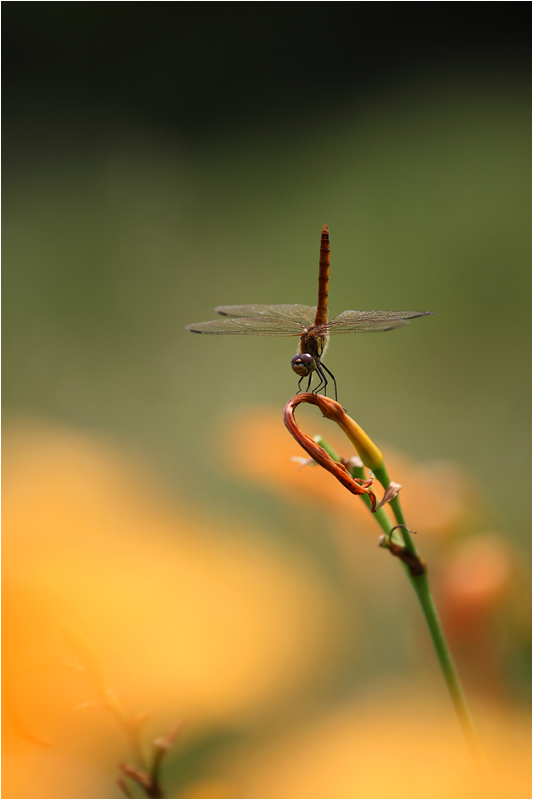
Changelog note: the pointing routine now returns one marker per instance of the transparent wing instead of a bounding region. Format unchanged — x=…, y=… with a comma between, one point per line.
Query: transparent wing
x=304, y=315
x=261, y=320
x=369, y=321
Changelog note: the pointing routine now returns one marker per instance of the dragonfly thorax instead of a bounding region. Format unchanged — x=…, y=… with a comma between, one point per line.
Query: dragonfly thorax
x=312, y=342
x=310, y=349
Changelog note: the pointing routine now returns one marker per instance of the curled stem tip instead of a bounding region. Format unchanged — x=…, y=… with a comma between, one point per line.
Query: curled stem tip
x=368, y=452
x=317, y=453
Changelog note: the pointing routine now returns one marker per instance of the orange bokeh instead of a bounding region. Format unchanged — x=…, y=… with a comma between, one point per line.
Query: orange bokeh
x=194, y=617
x=393, y=746
x=191, y=617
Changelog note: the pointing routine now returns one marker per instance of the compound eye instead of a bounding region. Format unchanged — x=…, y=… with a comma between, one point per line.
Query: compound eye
x=303, y=364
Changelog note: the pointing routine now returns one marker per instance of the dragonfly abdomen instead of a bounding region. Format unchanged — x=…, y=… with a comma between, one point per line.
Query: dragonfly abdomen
x=323, y=278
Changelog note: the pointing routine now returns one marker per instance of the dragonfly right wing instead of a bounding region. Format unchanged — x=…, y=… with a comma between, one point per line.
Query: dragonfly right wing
x=370, y=321
x=261, y=320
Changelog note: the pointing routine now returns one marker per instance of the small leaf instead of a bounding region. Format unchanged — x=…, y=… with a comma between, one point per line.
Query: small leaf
x=352, y=463
x=390, y=493
x=304, y=462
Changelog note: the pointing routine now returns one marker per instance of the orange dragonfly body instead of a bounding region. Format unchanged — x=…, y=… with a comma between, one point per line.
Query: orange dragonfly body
x=310, y=323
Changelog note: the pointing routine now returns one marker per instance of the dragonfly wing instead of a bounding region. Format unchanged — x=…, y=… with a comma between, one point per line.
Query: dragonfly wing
x=260, y=326
x=304, y=315
x=369, y=321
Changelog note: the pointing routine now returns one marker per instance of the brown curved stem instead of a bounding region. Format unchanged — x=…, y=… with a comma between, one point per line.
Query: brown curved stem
x=317, y=453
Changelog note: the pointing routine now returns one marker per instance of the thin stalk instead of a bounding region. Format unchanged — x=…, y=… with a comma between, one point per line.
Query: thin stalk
x=420, y=584
x=422, y=590
x=380, y=515
x=383, y=477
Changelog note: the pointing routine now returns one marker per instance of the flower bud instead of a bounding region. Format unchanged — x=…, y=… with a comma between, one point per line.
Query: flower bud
x=370, y=455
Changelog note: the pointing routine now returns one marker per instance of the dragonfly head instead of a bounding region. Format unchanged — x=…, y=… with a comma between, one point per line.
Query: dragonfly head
x=303, y=364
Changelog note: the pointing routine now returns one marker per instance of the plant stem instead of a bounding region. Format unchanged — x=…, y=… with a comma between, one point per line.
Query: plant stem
x=383, y=477
x=420, y=584
x=381, y=515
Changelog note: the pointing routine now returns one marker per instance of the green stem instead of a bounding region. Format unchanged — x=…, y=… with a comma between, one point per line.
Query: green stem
x=420, y=584
x=422, y=590
x=383, y=477
x=381, y=515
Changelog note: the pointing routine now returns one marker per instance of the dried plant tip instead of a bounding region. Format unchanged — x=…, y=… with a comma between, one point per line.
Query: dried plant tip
x=370, y=455
x=318, y=454
x=162, y=745
x=401, y=526
x=390, y=493
x=414, y=562
x=138, y=775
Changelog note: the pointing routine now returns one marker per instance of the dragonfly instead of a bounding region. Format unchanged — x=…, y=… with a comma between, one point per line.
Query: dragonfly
x=310, y=323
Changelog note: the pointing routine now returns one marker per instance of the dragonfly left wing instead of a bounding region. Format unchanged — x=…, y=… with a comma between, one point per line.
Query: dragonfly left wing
x=304, y=315
x=281, y=320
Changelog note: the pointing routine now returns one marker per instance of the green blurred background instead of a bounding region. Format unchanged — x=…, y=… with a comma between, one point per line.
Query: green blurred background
x=164, y=158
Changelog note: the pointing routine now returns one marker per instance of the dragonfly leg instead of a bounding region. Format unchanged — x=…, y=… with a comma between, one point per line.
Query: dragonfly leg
x=332, y=376
x=300, y=384
x=309, y=381
x=323, y=381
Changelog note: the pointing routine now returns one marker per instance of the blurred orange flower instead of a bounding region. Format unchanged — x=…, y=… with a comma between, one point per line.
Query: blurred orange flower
x=483, y=594
x=477, y=574
x=191, y=617
x=394, y=746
